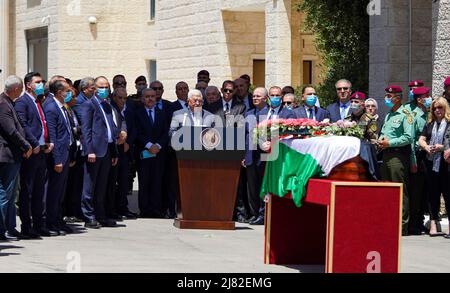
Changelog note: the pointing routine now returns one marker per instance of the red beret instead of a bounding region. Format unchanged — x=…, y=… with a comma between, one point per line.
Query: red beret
x=447, y=82
x=416, y=83
x=394, y=89
x=359, y=96
x=421, y=91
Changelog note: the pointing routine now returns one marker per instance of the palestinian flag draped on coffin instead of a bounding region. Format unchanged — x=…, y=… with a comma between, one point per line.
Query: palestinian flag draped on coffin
x=301, y=159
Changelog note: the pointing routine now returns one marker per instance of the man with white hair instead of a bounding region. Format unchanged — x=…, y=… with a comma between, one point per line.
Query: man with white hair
x=194, y=115
x=342, y=108
x=14, y=148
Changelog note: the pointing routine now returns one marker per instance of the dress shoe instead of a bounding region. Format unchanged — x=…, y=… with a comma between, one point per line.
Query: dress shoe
x=66, y=229
x=242, y=219
x=116, y=217
x=2, y=237
x=92, y=225
x=108, y=223
x=258, y=221
x=44, y=232
x=29, y=234
x=12, y=236
x=447, y=236
x=129, y=216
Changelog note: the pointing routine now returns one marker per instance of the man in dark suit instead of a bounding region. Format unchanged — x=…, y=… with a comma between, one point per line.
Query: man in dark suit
x=117, y=201
x=341, y=109
x=87, y=90
x=252, y=162
x=229, y=109
x=232, y=111
x=171, y=185
x=276, y=109
x=242, y=93
x=13, y=147
x=72, y=199
x=59, y=160
x=309, y=109
x=33, y=171
x=151, y=141
x=99, y=145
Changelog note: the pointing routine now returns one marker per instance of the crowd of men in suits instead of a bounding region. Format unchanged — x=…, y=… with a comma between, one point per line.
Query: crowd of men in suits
x=71, y=150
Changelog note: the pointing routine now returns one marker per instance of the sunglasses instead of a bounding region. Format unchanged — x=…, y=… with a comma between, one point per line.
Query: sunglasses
x=342, y=88
x=157, y=88
x=438, y=108
x=287, y=103
x=228, y=91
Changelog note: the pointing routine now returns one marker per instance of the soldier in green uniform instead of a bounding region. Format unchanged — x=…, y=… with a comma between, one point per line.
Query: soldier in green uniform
x=395, y=140
x=419, y=109
x=365, y=120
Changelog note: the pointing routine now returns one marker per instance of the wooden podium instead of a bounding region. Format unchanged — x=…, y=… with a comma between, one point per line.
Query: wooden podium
x=208, y=185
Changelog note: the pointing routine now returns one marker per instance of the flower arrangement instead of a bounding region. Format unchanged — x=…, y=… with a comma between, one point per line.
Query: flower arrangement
x=306, y=128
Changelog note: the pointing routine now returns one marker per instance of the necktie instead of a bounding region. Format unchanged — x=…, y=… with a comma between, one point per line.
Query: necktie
x=150, y=116
x=272, y=114
x=227, y=108
x=311, y=113
x=41, y=115
x=343, y=108
x=68, y=124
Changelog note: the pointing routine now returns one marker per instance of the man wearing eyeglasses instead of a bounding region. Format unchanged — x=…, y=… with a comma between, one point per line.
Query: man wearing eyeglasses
x=342, y=108
x=229, y=108
x=395, y=141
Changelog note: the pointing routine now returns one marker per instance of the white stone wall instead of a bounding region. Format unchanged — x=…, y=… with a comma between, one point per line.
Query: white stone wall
x=441, y=44
x=222, y=36
x=29, y=18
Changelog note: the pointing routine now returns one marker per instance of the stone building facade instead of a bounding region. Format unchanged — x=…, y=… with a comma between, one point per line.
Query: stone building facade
x=169, y=40
x=409, y=40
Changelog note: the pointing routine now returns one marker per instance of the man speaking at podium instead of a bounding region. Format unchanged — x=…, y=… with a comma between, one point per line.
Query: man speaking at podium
x=194, y=115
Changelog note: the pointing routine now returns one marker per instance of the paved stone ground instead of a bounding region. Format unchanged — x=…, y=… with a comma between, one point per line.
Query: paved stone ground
x=156, y=246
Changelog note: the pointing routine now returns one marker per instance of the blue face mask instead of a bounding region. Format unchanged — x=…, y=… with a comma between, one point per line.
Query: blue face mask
x=275, y=102
x=39, y=90
x=388, y=103
x=411, y=96
x=102, y=93
x=427, y=102
x=311, y=100
x=68, y=97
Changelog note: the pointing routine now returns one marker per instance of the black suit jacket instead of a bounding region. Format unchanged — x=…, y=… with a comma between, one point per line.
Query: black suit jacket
x=158, y=133
x=12, y=135
x=237, y=108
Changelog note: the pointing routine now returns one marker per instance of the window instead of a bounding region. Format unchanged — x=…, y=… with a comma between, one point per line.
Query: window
x=33, y=3
x=152, y=10
x=37, y=44
x=152, y=70
x=259, y=72
x=307, y=72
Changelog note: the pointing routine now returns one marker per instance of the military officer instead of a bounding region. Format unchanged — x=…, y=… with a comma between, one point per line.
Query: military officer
x=421, y=104
x=366, y=121
x=413, y=85
x=395, y=140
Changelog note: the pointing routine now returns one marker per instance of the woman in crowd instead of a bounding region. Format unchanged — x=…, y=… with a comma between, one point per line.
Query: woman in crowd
x=432, y=140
